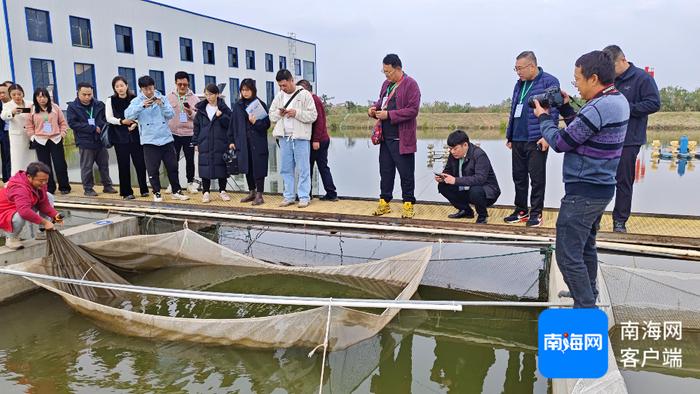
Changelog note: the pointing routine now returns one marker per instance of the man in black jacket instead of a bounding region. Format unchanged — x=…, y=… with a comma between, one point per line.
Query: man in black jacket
x=643, y=95
x=468, y=178
x=86, y=117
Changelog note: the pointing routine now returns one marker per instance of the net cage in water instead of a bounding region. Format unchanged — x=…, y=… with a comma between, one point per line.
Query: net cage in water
x=395, y=278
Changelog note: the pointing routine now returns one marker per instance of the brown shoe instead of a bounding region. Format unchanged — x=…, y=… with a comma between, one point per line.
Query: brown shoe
x=258, y=199
x=250, y=197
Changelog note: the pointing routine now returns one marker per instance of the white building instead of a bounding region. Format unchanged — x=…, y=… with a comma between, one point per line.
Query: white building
x=58, y=43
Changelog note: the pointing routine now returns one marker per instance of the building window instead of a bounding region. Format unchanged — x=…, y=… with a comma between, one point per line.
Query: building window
x=283, y=62
x=209, y=79
x=44, y=76
x=38, y=25
x=233, y=57
x=269, y=62
x=309, y=71
x=297, y=67
x=234, y=87
x=154, y=44
x=250, y=59
x=85, y=73
x=208, y=49
x=159, y=78
x=191, y=78
x=270, y=88
x=80, y=34
x=130, y=75
x=125, y=41
x=186, y=53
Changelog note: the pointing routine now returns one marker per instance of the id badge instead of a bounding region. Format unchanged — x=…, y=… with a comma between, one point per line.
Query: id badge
x=518, y=111
x=384, y=102
x=183, y=117
x=91, y=121
x=47, y=129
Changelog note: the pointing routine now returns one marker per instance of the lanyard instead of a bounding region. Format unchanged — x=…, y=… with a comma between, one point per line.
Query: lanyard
x=392, y=87
x=182, y=100
x=524, y=90
x=90, y=112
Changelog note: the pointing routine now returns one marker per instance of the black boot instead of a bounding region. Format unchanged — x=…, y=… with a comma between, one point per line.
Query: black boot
x=258, y=199
x=250, y=197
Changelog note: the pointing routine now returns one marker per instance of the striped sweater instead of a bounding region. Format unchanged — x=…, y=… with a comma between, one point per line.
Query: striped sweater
x=592, y=141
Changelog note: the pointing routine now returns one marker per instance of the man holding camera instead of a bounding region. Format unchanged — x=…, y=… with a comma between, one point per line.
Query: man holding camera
x=592, y=142
x=529, y=159
x=468, y=178
x=183, y=101
x=643, y=95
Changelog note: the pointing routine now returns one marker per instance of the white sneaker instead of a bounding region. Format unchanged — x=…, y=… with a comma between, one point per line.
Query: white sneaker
x=168, y=190
x=157, y=197
x=180, y=196
x=224, y=196
x=13, y=243
x=192, y=188
x=205, y=197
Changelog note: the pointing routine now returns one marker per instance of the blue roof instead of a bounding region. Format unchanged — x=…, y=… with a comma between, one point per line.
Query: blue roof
x=223, y=20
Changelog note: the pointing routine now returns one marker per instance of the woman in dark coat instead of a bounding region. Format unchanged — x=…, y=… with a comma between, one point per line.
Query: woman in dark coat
x=250, y=137
x=211, y=139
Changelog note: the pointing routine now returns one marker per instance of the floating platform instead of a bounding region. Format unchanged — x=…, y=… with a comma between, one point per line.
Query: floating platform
x=664, y=235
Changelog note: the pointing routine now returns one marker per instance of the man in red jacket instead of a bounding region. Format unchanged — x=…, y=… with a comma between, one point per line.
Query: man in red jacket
x=25, y=194
x=320, y=141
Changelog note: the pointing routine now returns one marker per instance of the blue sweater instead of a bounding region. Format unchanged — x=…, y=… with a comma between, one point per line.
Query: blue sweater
x=592, y=142
x=541, y=82
x=640, y=89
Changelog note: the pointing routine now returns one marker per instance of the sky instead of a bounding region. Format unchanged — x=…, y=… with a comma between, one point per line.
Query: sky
x=464, y=51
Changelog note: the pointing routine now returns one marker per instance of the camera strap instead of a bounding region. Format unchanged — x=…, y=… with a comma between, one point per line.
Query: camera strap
x=292, y=98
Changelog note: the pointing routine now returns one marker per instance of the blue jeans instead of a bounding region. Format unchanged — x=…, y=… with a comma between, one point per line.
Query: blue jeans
x=577, y=226
x=295, y=157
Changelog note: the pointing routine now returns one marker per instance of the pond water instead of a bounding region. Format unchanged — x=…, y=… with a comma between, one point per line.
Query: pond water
x=47, y=347
x=665, y=186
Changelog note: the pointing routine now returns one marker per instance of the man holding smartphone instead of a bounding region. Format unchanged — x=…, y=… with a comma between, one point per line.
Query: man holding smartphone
x=468, y=178
x=183, y=100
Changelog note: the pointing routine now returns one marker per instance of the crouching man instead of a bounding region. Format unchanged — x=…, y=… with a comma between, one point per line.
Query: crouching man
x=24, y=195
x=468, y=178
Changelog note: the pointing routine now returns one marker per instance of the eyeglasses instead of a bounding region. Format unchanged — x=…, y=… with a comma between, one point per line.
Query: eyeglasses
x=516, y=68
x=183, y=84
x=388, y=72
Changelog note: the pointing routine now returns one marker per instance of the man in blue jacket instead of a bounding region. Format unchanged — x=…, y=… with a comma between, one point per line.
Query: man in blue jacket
x=529, y=159
x=86, y=117
x=643, y=95
x=152, y=111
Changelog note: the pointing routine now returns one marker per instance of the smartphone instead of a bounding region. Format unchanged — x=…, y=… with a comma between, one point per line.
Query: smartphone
x=186, y=105
x=26, y=110
x=438, y=174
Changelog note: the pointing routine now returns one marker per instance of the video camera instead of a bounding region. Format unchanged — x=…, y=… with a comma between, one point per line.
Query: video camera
x=550, y=98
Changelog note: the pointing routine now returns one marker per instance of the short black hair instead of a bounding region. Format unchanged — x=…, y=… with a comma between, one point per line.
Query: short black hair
x=306, y=85
x=146, y=81
x=392, y=60
x=527, y=54
x=212, y=88
x=457, y=137
x=614, y=51
x=598, y=63
x=283, y=75
x=250, y=84
x=42, y=92
x=182, y=75
x=36, y=167
x=84, y=85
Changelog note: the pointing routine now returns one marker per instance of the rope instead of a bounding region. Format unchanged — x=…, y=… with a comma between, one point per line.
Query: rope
x=325, y=347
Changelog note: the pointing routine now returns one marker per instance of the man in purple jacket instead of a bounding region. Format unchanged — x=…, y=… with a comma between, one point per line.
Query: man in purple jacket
x=397, y=110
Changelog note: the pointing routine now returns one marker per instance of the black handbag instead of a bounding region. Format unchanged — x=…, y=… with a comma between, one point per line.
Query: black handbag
x=231, y=160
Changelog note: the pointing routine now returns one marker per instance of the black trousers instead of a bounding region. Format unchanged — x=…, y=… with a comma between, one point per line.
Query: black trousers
x=53, y=152
x=184, y=143
x=390, y=160
x=5, y=152
x=206, y=184
x=154, y=155
x=127, y=153
x=529, y=167
x=461, y=199
x=255, y=182
x=320, y=158
x=625, y=182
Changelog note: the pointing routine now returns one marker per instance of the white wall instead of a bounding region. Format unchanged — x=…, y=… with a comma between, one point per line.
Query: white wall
x=140, y=16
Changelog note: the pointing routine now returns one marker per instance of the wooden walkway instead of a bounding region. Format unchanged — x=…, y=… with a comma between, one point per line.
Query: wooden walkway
x=643, y=229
